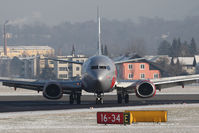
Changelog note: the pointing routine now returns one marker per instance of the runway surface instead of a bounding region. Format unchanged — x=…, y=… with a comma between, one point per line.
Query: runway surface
x=14, y=103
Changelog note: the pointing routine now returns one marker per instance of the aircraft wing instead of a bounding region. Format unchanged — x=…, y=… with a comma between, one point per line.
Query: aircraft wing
x=39, y=85
x=67, y=61
x=142, y=86
x=162, y=83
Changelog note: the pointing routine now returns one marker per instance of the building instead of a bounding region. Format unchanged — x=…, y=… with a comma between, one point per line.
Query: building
x=134, y=70
x=188, y=63
x=27, y=51
x=27, y=67
x=137, y=70
x=64, y=70
x=43, y=63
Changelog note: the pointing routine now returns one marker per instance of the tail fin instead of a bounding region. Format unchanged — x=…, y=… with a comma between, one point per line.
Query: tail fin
x=99, y=33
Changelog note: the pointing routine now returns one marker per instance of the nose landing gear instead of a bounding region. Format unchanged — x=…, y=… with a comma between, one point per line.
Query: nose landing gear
x=121, y=95
x=99, y=99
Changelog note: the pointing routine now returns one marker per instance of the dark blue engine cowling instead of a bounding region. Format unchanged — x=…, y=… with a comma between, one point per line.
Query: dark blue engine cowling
x=145, y=89
x=52, y=90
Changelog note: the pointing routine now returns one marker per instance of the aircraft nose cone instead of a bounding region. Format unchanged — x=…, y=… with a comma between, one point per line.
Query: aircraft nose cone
x=97, y=80
x=97, y=76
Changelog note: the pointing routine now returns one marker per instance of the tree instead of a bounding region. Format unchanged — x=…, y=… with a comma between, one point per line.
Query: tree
x=174, y=48
x=106, y=50
x=102, y=49
x=185, y=50
x=164, y=48
x=171, y=68
x=176, y=68
x=193, y=47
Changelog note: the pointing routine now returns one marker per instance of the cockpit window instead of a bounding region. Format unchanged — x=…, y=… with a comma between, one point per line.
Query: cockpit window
x=108, y=67
x=94, y=67
x=100, y=67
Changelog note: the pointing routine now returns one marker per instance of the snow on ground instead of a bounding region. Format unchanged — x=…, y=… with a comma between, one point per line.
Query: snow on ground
x=182, y=118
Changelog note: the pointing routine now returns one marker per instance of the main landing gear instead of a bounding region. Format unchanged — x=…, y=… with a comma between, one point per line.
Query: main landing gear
x=122, y=96
x=75, y=97
x=99, y=99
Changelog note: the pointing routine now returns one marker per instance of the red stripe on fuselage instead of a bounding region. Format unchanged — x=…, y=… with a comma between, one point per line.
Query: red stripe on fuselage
x=113, y=82
x=114, y=79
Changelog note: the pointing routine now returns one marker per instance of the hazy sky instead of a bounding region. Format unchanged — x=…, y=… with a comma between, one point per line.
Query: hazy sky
x=57, y=11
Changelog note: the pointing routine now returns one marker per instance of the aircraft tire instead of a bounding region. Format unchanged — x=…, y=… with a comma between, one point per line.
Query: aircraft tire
x=119, y=98
x=99, y=101
x=78, y=98
x=126, y=98
x=71, y=99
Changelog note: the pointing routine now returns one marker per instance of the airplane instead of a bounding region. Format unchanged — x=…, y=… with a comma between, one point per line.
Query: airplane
x=99, y=76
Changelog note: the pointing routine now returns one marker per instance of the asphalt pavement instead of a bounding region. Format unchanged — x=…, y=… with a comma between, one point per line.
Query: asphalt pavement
x=18, y=103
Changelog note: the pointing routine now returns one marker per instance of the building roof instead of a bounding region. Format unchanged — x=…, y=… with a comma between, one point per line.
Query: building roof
x=127, y=57
x=184, y=60
x=27, y=47
x=156, y=57
x=197, y=59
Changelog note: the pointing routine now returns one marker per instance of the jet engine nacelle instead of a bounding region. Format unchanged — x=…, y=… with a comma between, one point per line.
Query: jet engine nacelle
x=145, y=89
x=52, y=90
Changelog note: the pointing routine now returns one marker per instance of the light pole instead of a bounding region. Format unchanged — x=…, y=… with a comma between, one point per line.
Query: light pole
x=5, y=39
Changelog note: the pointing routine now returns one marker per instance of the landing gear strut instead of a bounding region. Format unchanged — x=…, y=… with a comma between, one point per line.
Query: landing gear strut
x=75, y=97
x=99, y=99
x=121, y=95
x=119, y=98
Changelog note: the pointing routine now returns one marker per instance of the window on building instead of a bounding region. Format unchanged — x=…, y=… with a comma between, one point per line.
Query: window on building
x=70, y=68
x=51, y=62
x=77, y=68
x=63, y=69
x=63, y=75
x=189, y=67
x=156, y=75
x=142, y=76
x=130, y=66
x=142, y=66
x=130, y=76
